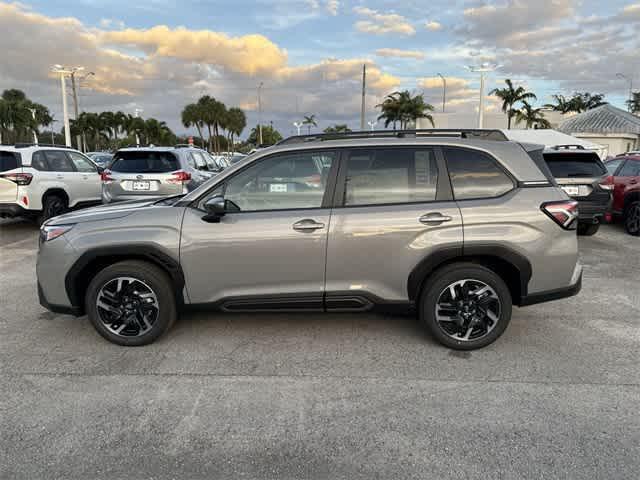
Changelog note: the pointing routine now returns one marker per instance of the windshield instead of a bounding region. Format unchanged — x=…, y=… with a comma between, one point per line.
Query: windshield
x=568, y=165
x=144, y=162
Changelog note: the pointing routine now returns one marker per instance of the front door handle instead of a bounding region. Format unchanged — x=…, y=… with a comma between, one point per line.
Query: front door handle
x=434, y=218
x=307, y=225
x=60, y=177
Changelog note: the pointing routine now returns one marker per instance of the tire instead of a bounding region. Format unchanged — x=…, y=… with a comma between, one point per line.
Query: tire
x=125, y=311
x=588, y=229
x=52, y=206
x=632, y=218
x=437, y=292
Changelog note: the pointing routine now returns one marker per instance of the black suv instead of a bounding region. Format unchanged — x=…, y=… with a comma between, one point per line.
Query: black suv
x=583, y=176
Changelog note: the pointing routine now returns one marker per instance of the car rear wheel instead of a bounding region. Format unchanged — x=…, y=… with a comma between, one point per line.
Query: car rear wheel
x=52, y=206
x=465, y=306
x=131, y=303
x=588, y=229
x=632, y=219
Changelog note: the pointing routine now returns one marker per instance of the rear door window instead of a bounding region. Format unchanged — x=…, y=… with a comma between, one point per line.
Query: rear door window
x=575, y=165
x=82, y=164
x=58, y=161
x=9, y=161
x=475, y=174
x=144, y=162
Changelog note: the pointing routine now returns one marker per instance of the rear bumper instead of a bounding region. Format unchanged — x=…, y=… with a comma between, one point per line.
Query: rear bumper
x=557, y=294
x=11, y=210
x=592, y=212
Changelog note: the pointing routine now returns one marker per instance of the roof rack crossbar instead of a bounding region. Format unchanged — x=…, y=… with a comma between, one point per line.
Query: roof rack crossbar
x=483, y=134
x=568, y=147
x=27, y=145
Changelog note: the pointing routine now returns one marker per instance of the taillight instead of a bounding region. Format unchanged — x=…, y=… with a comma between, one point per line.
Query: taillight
x=179, y=177
x=106, y=177
x=18, y=178
x=607, y=183
x=564, y=213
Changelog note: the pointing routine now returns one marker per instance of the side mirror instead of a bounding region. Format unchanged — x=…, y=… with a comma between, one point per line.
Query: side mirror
x=215, y=208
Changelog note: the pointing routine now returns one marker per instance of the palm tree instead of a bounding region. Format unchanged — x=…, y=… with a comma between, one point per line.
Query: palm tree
x=510, y=96
x=634, y=102
x=309, y=121
x=404, y=108
x=581, y=102
x=191, y=116
x=213, y=113
x=236, y=123
x=531, y=116
x=337, y=128
x=561, y=104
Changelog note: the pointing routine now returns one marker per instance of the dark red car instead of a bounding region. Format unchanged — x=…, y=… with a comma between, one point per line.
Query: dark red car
x=625, y=176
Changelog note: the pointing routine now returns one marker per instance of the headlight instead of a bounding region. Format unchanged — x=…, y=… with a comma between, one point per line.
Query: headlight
x=49, y=232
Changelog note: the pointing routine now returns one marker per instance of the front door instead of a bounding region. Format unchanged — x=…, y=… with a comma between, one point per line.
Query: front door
x=268, y=254
x=87, y=183
x=394, y=209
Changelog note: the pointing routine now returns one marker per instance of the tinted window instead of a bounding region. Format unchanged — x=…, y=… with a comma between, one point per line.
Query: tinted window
x=277, y=183
x=388, y=176
x=81, y=163
x=630, y=169
x=8, y=161
x=39, y=162
x=199, y=161
x=568, y=165
x=58, y=161
x=613, y=165
x=144, y=162
x=475, y=174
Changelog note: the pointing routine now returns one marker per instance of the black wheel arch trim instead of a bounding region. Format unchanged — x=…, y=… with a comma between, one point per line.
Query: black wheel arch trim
x=465, y=253
x=149, y=253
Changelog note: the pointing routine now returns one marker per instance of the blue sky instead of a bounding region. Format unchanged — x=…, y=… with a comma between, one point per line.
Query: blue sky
x=308, y=53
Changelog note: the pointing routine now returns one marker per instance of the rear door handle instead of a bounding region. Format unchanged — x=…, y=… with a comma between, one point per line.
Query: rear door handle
x=434, y=218
x=307, y=225
x=59, y=177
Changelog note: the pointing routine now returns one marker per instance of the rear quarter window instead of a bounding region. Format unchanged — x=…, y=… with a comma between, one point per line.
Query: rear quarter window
x=145, y=162
x=574, y=165
x=9, y=161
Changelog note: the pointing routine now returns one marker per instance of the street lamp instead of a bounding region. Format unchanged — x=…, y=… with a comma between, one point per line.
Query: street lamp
x=260, y=113
x=33, y=115
x=63, y=72
x=630, y=80
x=298, y=125
x=444, y=91
x=482, y=69
x=372, y=124
x=136, y=113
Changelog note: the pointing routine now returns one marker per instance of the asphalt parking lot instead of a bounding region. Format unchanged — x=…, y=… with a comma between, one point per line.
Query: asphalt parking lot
x=325, y=396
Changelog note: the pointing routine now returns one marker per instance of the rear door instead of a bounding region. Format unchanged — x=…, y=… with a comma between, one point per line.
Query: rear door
x=144, y=172
x=9, y=162
x=87, y=182
x=393, y=207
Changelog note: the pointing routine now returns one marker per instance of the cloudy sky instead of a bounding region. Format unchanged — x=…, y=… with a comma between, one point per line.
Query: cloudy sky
x=155, y=55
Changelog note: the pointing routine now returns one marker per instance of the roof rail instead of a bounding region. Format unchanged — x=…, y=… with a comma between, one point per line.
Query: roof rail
x=479, y=134
x=27, y=145
x=568, y=147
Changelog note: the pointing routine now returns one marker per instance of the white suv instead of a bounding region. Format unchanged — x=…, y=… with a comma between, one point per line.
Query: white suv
x=42, y=181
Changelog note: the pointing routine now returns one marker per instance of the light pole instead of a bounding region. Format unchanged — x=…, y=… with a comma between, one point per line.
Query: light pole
x=62, y=71
x=482, y=69
x=260, y=113
x=136, y=114
x=298, y=125
x=444, y=91
x=33, y=115
x=630, y=80
x=76, y=104
x=372, y=124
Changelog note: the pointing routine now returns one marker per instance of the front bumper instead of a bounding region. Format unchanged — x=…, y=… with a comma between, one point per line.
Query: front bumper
x=557, y=294
x=65, y=309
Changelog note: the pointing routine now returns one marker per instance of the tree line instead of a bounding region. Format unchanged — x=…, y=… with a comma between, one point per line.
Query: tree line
x=222, y=125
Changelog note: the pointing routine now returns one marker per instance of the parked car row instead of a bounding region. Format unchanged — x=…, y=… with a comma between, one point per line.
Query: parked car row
x=43, y=181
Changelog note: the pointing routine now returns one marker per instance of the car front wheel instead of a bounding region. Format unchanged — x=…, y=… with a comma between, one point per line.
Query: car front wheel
x=131, y=303
x=465, y=306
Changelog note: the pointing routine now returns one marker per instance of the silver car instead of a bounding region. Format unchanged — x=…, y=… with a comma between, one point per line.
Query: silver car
x=455, y=227
x=154, y=172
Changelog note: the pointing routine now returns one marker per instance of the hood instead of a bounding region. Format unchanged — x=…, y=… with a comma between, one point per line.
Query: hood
x=102, y=212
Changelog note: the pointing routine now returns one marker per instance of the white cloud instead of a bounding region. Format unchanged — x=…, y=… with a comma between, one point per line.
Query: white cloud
x=332, y=7
x=382, y=23
x=433, y=26
x=398, y=53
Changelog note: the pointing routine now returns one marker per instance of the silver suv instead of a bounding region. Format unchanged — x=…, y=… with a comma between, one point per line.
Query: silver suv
x=455, y=226
x=156, y=172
